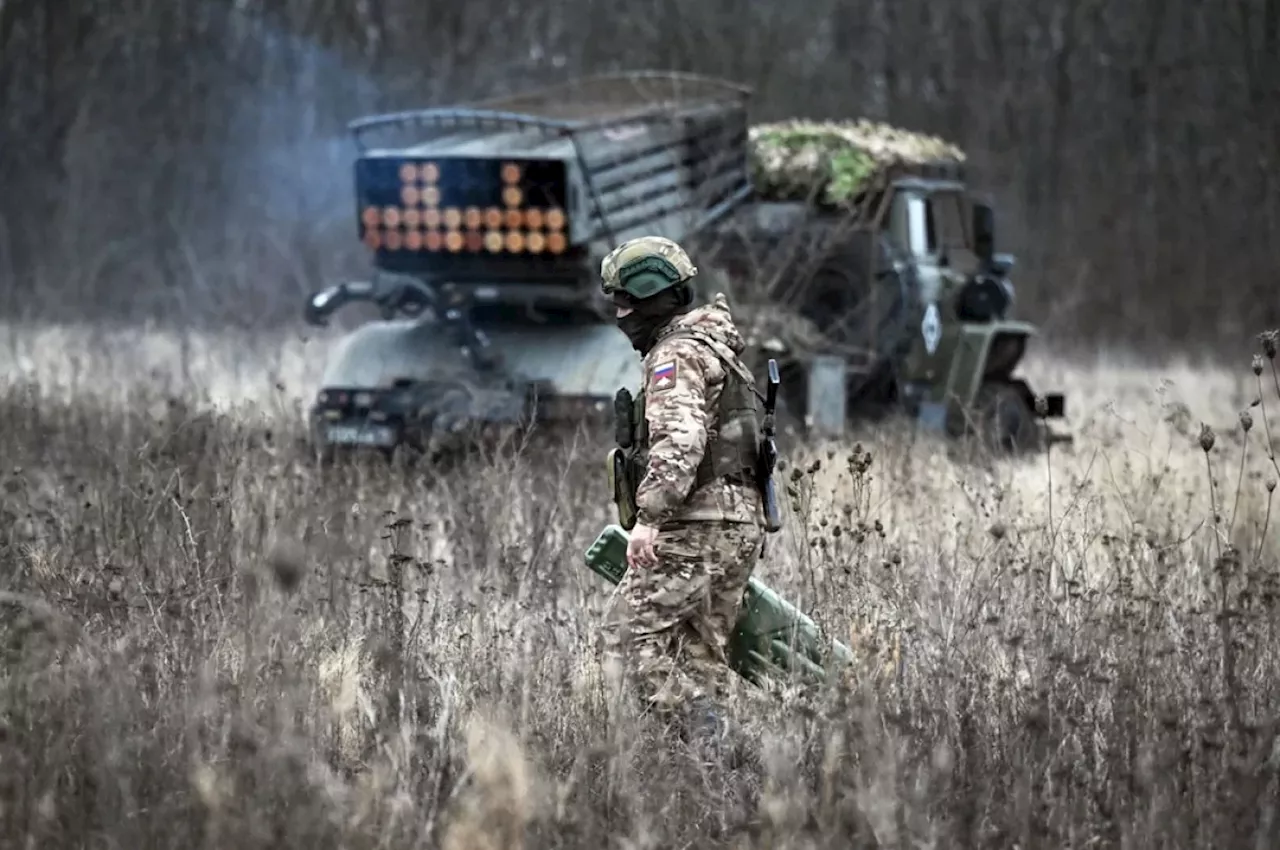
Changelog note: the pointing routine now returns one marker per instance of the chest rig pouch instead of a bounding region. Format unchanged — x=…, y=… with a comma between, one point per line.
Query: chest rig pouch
x=732, y=452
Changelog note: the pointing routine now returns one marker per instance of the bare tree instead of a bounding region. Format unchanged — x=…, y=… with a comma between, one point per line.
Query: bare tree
x=151, y=149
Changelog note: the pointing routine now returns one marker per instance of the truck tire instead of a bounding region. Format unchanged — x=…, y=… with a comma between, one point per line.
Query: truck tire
x=1004, y=421
x=862, y=304
x=856, y=295
x=824, y=277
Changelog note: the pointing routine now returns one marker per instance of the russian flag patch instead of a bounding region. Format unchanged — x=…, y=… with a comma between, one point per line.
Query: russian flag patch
x=664, y=375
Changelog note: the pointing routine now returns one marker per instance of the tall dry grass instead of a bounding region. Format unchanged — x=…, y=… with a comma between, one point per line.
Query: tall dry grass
x=211, y=642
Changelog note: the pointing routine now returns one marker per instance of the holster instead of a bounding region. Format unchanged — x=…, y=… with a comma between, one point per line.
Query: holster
x=620, y=484
x=619, y=463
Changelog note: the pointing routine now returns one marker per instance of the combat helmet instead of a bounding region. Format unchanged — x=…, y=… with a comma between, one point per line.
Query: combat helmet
x=645, y=266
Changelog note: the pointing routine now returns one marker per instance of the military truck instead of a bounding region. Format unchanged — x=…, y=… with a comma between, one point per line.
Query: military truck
x=852, y=253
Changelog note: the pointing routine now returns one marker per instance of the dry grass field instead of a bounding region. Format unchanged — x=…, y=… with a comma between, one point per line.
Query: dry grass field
x=210, y=641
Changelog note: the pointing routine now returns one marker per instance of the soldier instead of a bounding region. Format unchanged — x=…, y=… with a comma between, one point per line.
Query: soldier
x=699, y=516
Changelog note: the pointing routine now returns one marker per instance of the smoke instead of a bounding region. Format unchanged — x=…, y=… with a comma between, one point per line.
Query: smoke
x=289, y=157
x=247, y=197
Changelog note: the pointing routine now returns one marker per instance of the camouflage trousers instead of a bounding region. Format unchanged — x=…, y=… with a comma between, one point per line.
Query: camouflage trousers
x=671, y=623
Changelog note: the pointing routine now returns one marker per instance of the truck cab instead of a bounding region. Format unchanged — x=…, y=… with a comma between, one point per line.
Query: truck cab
x=949, y=238
x=958, y=369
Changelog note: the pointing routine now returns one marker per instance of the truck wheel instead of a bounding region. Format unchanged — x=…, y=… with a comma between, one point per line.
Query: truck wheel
x=855, y=276
x=1004, y=420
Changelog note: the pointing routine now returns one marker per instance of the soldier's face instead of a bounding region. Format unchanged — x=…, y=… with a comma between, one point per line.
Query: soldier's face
x=624, y=311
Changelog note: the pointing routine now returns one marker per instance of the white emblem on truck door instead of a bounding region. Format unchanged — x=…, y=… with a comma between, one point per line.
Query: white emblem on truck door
x=931, y=329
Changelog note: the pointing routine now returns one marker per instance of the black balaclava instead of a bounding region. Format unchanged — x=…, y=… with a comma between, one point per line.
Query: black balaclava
x=649, y=315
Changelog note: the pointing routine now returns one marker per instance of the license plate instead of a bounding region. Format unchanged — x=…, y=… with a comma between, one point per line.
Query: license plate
x=362, y=435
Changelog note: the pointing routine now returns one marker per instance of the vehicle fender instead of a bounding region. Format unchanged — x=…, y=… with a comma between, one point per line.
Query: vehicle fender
x=985, y=351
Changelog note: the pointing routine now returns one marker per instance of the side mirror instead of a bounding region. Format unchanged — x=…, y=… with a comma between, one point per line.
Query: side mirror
x=984, y=232
x=321, y=305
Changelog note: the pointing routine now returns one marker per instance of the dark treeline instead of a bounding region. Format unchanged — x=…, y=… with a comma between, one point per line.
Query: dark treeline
x=161, y=157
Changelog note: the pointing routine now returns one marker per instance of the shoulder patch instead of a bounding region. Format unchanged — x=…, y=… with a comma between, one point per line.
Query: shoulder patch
x=663, y=376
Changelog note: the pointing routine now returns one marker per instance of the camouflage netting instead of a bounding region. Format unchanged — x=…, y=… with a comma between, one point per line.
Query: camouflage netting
x=790, y=159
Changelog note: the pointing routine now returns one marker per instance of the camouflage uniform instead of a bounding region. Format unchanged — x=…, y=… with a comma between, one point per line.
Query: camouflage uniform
x=676, y=618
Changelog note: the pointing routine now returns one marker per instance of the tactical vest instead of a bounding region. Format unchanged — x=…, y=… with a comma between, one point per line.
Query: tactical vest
x=733, y=452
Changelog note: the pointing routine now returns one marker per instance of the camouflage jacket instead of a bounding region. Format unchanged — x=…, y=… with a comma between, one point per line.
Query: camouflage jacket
x=683, y=380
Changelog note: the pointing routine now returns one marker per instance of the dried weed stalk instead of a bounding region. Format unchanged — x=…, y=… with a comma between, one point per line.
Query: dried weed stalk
x=212, y=641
